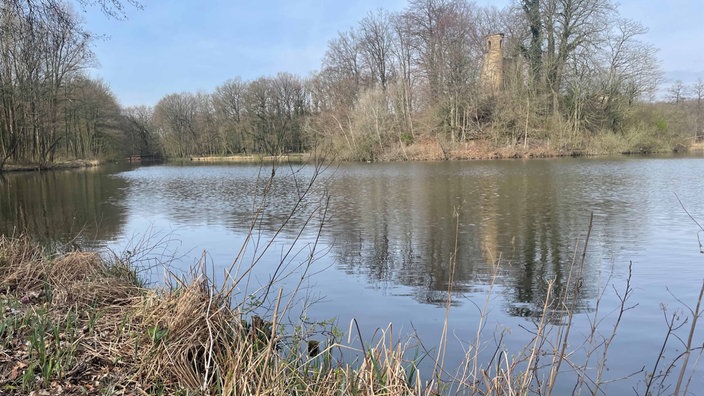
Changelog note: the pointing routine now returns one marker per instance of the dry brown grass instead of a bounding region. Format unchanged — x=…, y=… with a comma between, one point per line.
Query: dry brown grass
x=432, y=149
x=283, y=158
x=21, y=265
x=114, y=336
x=75, y=278
x=190, y=329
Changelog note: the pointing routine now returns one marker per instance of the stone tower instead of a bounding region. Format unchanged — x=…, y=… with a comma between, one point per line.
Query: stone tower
x=493, y=67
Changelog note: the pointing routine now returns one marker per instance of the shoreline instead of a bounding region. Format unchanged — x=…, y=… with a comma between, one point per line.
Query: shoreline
x=293, y=157
x=465, y=151
x=61, y=165
x=425, y=151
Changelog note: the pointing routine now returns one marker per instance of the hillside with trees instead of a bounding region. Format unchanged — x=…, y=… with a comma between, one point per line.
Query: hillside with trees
x=577, y=79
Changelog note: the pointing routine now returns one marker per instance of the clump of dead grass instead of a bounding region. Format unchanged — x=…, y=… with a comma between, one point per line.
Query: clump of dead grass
x=189, y=329
x=78, y=324
x=21, y=265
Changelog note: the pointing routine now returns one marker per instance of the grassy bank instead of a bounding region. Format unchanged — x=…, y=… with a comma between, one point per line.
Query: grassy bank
x=77, y=323
x=434, y=148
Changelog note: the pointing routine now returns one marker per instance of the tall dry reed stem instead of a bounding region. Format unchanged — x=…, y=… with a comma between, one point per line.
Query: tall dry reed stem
x=442, y=347
x=696, y=312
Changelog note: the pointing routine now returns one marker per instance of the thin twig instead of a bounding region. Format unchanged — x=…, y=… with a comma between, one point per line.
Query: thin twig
x=701, y=228
x=688, y=347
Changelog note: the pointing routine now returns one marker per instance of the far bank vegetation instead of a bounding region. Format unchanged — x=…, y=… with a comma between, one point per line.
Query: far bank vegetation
x=577, y=79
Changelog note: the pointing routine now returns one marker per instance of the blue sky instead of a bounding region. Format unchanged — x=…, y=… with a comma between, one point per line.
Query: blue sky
x=194, y=46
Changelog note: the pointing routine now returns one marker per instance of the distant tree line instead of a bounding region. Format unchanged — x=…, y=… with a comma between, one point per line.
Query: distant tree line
x=48, y=108
x=575, y=70
x=575, y=73
x=267, y=115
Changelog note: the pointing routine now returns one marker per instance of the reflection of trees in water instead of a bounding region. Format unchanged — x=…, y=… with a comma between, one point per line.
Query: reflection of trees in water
x=543, y=224
x=531, y=208
x=393, y=223
x=62, y=206
x=231, y=195
x=398, y=228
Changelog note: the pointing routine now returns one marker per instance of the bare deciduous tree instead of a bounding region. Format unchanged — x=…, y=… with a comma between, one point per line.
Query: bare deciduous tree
x=43, y=51
x=343, y=63
x=140, y=138
x=677, y=92
x=404, y=59
x=229, y=109
x=175, y=124
x=42, y=46
x=375, y=45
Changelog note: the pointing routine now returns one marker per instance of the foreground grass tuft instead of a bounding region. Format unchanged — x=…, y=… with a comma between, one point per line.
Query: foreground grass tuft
x=75, y=324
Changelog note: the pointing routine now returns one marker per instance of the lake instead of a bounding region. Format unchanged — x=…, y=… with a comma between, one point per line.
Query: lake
x=412, y=244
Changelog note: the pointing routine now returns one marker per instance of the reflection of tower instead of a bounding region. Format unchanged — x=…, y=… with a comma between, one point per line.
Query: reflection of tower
x=493, y=67
x=489, y=231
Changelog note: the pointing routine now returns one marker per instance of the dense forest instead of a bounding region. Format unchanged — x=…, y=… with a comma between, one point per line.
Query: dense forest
x=576, y=78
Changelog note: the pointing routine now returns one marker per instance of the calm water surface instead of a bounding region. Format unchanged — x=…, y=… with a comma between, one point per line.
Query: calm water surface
x=392, y=233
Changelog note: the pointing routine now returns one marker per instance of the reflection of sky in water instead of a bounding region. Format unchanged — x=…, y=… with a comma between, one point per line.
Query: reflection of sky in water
x=386, y=249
